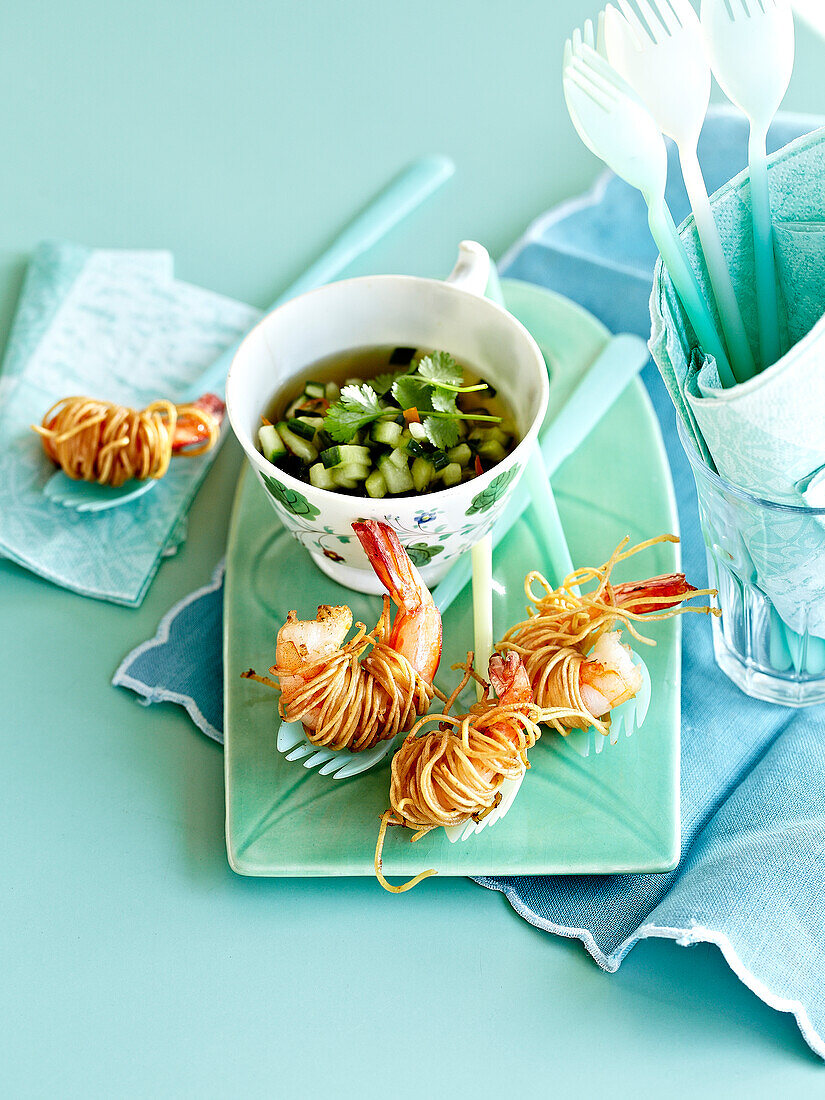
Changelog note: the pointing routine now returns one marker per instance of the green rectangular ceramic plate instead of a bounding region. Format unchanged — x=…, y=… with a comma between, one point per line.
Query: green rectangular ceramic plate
x=612, y=812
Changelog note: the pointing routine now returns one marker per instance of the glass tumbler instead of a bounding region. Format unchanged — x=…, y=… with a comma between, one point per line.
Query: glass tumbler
x=767, y=561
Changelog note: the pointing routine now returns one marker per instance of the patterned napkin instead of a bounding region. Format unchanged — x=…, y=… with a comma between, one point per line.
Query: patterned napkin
x=752, y=873
x=114, y=325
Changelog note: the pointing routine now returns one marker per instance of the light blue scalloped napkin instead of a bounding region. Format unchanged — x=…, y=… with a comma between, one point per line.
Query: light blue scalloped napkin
x=752, y=873
x=116, y=325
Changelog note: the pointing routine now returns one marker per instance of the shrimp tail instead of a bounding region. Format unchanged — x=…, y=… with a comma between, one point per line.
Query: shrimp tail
x=416, y=632
x=390, y=561
x=509, y=678
x=654, y=594
x=192, y=428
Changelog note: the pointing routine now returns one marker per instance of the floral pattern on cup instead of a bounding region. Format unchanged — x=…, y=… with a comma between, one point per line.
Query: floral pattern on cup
x=494, y=491
x=291, y=499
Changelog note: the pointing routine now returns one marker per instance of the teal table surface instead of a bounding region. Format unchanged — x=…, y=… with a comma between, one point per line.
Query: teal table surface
x=242, y=136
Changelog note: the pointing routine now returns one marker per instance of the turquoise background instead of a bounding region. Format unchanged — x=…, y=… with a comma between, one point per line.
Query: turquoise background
x=242, y=136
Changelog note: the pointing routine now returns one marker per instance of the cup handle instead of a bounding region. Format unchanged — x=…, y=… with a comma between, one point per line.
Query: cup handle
x=472, y=269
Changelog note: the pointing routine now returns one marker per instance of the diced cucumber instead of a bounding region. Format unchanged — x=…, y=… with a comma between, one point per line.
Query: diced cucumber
x=387, y=432
x=332, y=391
x=305, y=426
x=321, y=477
x=300, y=447
x=416, y=449
x=345, y=453
x=351, y=470
x=423, y=473
x=451, y=475
x=417, y=431
x=348, y=476
x=460, y=454
x=439, y=460
x=492, y=450
x=494, y=434
x=402, y=357
x=315, y=389
x=272, y=445
x=399, y=458
x=375, y=484
x=353, y=381
x=323, y=440
x=398, y=479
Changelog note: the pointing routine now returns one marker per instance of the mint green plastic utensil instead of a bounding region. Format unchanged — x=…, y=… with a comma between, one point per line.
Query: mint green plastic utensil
x=751, y=47
x=615, y=125
x=659, y=50
x=620, y=361
x=406, y=192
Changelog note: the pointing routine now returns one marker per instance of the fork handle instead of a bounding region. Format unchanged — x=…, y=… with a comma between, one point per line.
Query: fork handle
x=764, y=266
x=675, y=260
x=730, y=316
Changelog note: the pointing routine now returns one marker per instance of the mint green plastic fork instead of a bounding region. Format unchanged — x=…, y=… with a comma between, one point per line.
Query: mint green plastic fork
x=615, y=125
x=658, y=48
x=751, y=47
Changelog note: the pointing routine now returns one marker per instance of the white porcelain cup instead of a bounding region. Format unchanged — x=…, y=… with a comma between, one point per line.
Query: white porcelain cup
x=402, y=311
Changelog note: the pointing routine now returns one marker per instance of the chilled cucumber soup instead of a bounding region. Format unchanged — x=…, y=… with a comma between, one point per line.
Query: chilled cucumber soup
x=387, y=421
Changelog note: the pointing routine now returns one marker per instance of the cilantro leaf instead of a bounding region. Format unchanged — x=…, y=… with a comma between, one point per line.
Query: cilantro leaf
x=413, y=393
x=382, y=383
x=441, y=433
x=440, y=367
x=444, y=401
x=357, y=406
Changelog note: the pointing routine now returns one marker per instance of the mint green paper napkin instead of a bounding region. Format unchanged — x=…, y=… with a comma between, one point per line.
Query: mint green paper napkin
x=766, y=435
x=116, y=325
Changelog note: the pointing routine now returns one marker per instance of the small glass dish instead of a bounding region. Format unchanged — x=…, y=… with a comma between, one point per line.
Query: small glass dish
x=767, y=560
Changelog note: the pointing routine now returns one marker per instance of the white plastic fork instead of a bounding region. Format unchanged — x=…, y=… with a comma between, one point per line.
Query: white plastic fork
x=659, y=49
x=751, y=48
x=614, y=124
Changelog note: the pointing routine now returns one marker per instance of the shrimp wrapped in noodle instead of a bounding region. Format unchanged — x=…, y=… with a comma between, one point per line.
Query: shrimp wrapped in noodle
x=351, y=695
x=454, y=774
x=569, y=643
x=100, y=441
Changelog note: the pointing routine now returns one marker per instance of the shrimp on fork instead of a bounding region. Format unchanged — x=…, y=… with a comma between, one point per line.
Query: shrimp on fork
x=101, y=441
x=351, y=695
x=454, y=774
x=570, y=643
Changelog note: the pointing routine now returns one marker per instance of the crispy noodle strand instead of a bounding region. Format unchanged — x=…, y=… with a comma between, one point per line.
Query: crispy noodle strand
x=454, y=774
x=100, y=441
x=360, y=702
x=564, y=624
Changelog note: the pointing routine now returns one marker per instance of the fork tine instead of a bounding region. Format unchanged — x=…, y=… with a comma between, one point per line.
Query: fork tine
x=601, y=67
x=588, y=36
x=664, y=10
x=598, y=81
x=613, y=18
x=601, y=45
x=577, y=41
x=657, y=29
x=641, y=32
x=685, y=13
x=575, y=75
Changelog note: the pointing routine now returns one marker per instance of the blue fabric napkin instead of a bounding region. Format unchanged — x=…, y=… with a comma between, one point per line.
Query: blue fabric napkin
x=752, y=873
x=113, y=324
